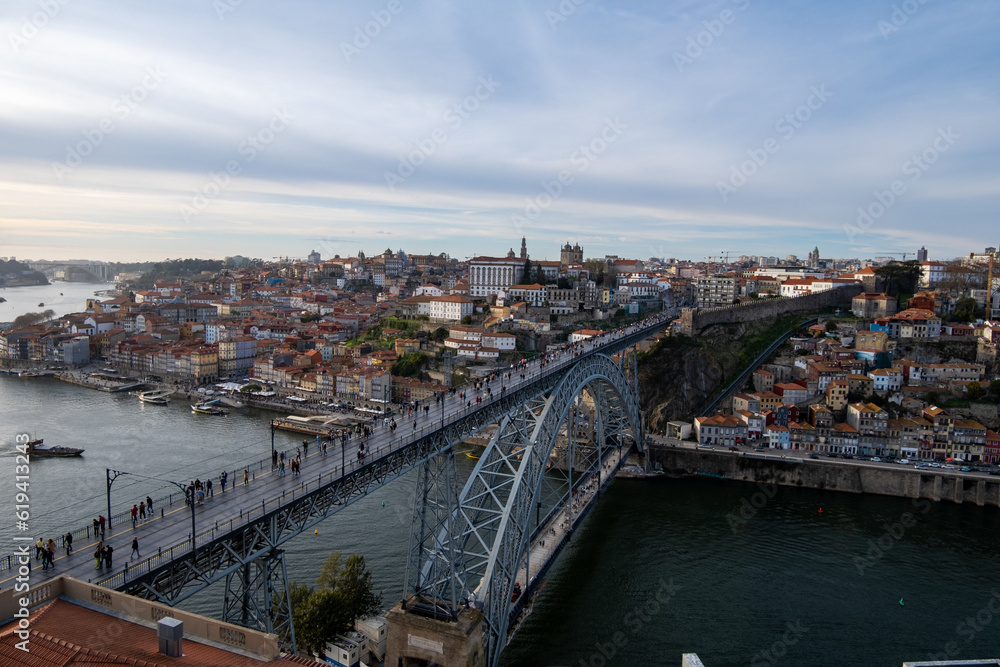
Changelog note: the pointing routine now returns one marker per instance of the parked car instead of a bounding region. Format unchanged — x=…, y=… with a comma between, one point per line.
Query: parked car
x=966, y=469
x=758, y=449
x=813, y=456
x=903, y=461
x=876, y=459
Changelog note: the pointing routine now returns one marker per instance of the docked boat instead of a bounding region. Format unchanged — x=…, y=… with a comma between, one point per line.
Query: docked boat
x=36, y=449
x=208, y=408
x=321, y=426
x=155, y=397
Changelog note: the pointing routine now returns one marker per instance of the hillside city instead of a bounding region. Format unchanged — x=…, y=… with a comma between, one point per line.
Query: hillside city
x=395, y=328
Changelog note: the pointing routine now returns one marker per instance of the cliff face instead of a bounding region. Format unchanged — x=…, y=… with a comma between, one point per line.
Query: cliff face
x=680, y=375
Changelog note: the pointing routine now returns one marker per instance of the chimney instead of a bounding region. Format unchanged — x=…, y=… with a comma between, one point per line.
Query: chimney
x=170, y=631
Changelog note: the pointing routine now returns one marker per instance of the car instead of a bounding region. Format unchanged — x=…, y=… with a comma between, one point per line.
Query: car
x=831, y=455
x=876, y=459
x=966, y=469
x=950, y=466
x=994, y=472
x=813, y=456
x=705, y=446
x=846, y=456
x=733, y=449
x=935, y=465
x=904, y=461
x=920, y=466
x=758, y=449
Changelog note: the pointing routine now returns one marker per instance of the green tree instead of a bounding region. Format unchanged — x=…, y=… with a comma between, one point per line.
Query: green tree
x=343, y=593
x=899, y=277
x=410, y=365
x=831, y=325
x=974, y=391
x=250, y=388
x=30, y=319
x=467, y=319
x=526, y=274
x=439, y=334
x=965, y=309
x=933, y=397
x=995, y=388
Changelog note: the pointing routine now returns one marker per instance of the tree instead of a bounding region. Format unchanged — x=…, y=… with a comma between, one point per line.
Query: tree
x=831, y=325
x=974, y=391
x=526, y=274
x=899, y=277
x=30, y=319
x=250, y=388
x=439, y=334
x=343, y=593
x=965, y=309
x=932, y=397
x=467, y=319
x=995, y=388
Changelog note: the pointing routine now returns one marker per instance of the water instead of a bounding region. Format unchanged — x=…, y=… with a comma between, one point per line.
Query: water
x=21, y=300
x=736, y=592
x=786, y=581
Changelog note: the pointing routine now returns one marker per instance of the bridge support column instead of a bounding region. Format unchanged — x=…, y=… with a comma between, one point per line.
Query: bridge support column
x=434, y=562
x=413, y=639
x=257, y=597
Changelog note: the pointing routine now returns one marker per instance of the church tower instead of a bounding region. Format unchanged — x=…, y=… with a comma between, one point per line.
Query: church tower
x=524, y=249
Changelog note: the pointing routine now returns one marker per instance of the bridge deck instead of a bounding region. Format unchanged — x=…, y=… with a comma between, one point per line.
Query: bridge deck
x=167, y=534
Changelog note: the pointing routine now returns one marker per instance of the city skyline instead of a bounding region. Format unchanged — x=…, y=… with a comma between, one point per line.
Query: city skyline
x=633, y=129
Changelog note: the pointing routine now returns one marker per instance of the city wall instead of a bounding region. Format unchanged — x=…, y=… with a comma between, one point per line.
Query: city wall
x=694, y=320
x=841, y=475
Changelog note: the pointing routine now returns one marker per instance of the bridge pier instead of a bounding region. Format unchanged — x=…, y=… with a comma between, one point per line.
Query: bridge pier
x=415, y=640
x=251, y=592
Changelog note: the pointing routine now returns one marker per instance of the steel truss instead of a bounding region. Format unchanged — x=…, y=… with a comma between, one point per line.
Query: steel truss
x=473, y=553
x=220, y=556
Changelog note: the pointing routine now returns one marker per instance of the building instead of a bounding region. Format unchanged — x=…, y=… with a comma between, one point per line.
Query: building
x=713, y=291
x=836, y=395
x=571, y=255
x=871, y=305
x=451, y=308
x=725, y=430
x=236, y=355
x=489, y=275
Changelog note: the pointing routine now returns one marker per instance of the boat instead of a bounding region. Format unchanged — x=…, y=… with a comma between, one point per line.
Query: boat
x=321, y=426
x=208, y=408
x=156, y=397
x=41, y=304
x=35, y=449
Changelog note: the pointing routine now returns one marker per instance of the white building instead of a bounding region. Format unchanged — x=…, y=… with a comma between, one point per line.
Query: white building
x=489, y=275
x=452, y=307
x=504, y=342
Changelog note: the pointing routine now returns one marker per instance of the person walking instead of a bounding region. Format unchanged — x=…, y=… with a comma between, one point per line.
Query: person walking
x=97, y=527
x=246, y=476
x=222, y=480
x=142, y=511
x=208, y=487
x=135, y=548
x=39, y=547
x=69, y=543
x=102, y=521
x=274, y=458
x=108, y=551
x=149, y=505
x=135, y=515
x=50, y=552
x=99, y=556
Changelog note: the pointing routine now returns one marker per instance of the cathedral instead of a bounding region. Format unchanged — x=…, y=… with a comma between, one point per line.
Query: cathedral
x=571, y=254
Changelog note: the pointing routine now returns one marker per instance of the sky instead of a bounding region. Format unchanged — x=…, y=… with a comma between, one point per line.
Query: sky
x=661, y=128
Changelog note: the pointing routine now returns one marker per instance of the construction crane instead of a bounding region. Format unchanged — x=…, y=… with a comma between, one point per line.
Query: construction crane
x=902, y=254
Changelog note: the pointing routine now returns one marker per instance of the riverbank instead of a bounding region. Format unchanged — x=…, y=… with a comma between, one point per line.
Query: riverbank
x=830, y=474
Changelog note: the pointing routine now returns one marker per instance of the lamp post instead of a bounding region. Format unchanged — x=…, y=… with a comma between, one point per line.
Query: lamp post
x=109, y=479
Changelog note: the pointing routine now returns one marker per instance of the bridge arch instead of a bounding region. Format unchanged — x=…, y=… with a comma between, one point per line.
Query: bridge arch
x=483, y=550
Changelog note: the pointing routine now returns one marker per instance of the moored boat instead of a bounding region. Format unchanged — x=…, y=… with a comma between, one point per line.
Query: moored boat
x=208, y=409
x=156, y=397
x=35, y=449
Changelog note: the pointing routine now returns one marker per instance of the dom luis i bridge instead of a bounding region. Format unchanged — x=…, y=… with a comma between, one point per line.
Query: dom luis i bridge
x=566, y=423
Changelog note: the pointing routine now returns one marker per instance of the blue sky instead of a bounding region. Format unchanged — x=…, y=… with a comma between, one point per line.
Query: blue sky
x=677, y=129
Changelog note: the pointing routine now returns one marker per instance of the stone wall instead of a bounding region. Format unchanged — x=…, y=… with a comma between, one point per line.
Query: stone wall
x=694, y=320
x=830, y=474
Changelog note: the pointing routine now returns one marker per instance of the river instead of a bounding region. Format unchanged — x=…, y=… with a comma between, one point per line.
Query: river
x=61, y=297
x=655, y=571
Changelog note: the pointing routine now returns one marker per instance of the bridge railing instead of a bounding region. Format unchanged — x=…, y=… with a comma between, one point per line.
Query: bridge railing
x=406, y=438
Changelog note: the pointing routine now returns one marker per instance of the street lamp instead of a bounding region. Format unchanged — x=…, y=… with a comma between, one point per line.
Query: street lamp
x=109, y=479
